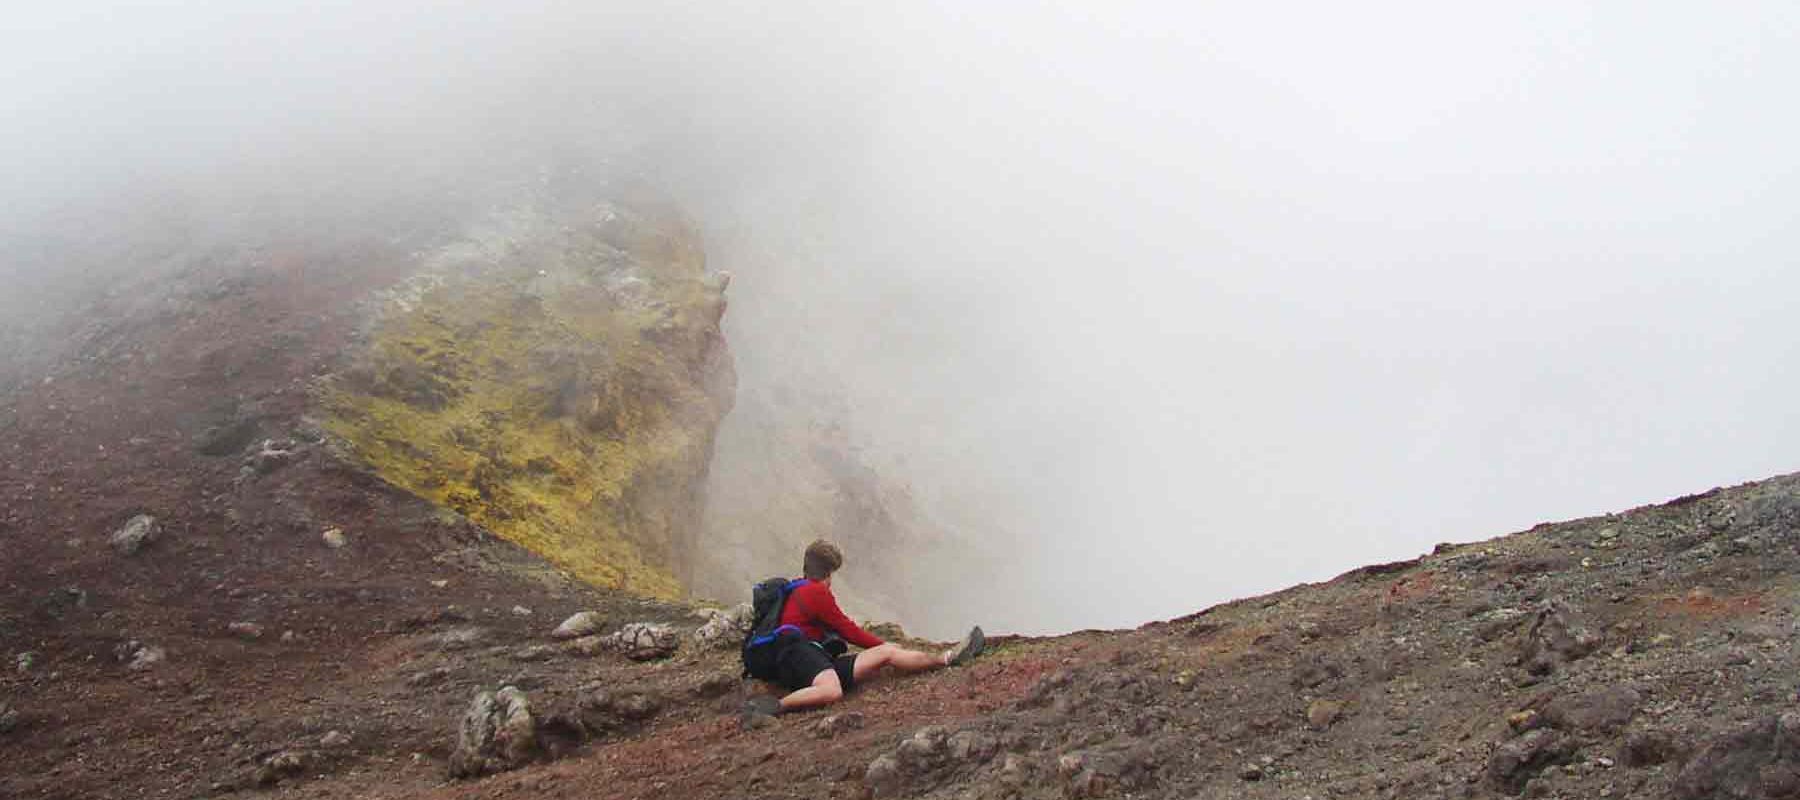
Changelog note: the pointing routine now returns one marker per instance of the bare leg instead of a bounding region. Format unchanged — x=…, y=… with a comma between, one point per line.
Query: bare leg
x=825, y=690
x=869, y=662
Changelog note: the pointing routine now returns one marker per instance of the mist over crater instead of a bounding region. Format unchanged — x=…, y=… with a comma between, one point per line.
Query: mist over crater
x=1031, y=304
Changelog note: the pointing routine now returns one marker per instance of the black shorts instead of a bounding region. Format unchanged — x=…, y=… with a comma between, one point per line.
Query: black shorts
x=800, y=662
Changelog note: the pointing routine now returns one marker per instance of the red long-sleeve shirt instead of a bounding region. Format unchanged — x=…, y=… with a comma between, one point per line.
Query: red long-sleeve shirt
x=813, y=609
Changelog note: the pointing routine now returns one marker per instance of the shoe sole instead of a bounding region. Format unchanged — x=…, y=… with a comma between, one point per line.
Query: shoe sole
x=976, y=643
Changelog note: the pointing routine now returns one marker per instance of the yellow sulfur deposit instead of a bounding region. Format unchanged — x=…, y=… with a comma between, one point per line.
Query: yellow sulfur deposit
x=559, y=384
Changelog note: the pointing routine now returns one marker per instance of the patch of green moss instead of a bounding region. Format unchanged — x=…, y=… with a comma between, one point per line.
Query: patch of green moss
x=539, y=399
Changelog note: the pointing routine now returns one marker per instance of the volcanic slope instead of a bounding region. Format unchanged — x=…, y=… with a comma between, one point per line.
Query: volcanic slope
x=301, y=625
x=1642, y=654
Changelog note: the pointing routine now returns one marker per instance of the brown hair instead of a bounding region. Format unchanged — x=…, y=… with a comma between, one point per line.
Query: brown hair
x=822, y=559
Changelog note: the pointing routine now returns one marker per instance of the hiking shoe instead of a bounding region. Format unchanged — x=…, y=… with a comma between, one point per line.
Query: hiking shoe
x=967, y=649
x=759, y=710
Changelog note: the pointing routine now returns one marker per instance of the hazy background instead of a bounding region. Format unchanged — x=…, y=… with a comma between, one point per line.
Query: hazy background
x=1149, y=305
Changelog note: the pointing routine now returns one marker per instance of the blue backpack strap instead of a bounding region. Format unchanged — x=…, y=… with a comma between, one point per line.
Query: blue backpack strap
x=773, y=635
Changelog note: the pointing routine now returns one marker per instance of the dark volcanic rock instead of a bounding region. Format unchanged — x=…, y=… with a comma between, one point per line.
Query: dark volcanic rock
x=1554, y=640
x=1647, y=748
x=1312, y=674
x=1759, y=760
x=1599, y=712
x=1517, y=761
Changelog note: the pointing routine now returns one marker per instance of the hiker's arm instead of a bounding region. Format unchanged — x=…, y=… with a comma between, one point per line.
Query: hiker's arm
x=834, y=618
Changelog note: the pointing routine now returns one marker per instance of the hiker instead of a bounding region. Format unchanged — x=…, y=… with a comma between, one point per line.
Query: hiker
x=802, y=645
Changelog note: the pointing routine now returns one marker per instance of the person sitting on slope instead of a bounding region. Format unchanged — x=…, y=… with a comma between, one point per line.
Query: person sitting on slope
x=812, y=674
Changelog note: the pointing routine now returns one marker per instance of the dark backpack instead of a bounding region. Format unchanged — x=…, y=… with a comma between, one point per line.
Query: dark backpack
x=765, y=638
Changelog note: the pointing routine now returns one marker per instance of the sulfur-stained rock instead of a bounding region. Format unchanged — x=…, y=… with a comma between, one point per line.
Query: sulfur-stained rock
x=554, y=377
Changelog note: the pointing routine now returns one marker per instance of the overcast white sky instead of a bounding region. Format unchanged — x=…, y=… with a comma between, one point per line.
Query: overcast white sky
x=1197, y=300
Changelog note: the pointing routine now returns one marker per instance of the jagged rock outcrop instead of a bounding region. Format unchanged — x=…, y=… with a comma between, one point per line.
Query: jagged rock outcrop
x=558, y=377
